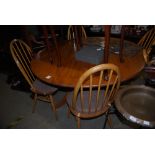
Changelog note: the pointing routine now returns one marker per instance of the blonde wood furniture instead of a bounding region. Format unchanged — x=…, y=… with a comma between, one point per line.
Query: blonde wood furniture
x=148, y=39
x=149, y=68
x=146, y=57
x=22, y=55
x=71, y=32
x=90, y=103
x=76, y=33
x=69, y=73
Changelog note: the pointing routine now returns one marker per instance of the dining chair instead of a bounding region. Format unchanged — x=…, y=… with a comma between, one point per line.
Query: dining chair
x=71, y=32
x=148, y=39
x=146, y=54
x=22, y=55
x=94, y=100
x=76, y=33
x=149, y=68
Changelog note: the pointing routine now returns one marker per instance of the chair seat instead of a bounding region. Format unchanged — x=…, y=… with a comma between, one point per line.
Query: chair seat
x=43, y=88
x=85, y=97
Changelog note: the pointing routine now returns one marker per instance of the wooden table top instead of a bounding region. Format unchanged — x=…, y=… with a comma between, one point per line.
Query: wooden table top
x=68, y=74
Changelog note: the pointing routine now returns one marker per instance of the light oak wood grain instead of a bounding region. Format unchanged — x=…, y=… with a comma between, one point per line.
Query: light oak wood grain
x=68, y=74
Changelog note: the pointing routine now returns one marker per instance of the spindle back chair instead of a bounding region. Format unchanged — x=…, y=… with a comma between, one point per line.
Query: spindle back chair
x=148, y=39
x=71, y=33
x=22, y=55
x=95, y=100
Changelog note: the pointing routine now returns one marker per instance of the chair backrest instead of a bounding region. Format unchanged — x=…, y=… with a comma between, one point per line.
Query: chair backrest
x=71, y=33
x=146, y=55
x=99, y=98
x=22, y=55
x=148, y=39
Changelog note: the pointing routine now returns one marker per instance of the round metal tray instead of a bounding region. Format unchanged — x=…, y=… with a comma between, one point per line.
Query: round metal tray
x=137, y=104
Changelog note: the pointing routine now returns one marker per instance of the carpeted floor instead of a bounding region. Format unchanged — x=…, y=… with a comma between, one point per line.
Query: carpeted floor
x=16, y=112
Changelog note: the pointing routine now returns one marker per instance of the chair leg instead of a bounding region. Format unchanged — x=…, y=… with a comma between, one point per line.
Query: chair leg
x=106, y=119
x=53, y=106
x=34, y=102
x=110, y=122
x=68, y=113
x=78, y=122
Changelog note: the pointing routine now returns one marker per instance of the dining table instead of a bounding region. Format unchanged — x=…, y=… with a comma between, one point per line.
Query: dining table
x=72, y=67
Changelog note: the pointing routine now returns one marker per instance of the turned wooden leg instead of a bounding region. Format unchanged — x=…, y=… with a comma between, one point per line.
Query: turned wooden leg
x=34, y=102
x=53, y=107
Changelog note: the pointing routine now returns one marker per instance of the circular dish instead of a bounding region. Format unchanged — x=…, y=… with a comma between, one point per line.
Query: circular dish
x=137, y=104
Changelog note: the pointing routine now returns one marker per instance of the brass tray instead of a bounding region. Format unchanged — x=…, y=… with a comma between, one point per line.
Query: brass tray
x=137, y=104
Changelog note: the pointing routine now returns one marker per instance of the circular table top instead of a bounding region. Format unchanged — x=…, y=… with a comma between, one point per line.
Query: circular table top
x=71, y=69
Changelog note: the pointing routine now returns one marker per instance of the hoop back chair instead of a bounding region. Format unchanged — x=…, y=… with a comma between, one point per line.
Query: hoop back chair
x=148, y=39
x=22, y=55
x=76, y=34
x=94, y=100
x=71, y=33
x=149, y=68
x=146, y=55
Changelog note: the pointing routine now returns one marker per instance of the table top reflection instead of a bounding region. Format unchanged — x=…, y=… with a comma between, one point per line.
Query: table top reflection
x=71, y=69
